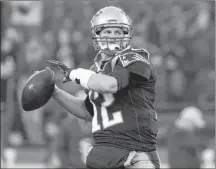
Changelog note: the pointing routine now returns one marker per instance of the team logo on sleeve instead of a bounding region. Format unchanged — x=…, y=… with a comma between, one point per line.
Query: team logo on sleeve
x=132, y=57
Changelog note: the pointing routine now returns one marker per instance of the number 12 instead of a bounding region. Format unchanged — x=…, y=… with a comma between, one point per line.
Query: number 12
x=106, y=122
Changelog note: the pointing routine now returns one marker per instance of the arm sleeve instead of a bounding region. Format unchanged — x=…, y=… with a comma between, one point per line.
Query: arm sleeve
x=122, y=76
x=89, y=106
x=140, y=68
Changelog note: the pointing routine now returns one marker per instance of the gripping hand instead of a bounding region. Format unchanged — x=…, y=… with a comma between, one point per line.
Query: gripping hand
x=62, y=67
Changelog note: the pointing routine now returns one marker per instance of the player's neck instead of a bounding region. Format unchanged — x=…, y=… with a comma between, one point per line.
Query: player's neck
x=105, y=57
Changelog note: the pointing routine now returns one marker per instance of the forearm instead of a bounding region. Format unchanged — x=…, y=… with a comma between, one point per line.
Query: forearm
x=97, y=82
x=73, y=105
x=102, y=83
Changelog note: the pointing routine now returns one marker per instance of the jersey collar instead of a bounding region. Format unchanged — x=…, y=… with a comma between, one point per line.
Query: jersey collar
x=97, y=58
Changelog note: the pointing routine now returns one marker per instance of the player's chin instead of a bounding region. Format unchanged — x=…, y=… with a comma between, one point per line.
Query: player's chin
x=111, y=52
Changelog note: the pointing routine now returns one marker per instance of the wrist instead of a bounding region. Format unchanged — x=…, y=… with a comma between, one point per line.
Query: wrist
x=81, y=76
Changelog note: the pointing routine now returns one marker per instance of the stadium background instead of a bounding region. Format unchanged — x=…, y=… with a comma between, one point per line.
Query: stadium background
x=180, y=35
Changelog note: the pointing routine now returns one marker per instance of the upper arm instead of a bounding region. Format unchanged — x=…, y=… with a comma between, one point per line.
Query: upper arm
x=140, y=68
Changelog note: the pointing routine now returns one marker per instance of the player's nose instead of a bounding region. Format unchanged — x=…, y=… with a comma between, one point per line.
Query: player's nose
x=112, y=34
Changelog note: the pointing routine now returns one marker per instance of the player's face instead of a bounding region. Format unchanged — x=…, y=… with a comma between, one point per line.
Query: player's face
x=112, y=39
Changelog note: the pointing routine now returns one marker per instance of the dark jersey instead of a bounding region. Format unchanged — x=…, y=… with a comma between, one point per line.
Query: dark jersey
x=126, y=119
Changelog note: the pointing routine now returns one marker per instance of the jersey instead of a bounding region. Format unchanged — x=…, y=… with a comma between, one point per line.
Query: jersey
x=126, y=119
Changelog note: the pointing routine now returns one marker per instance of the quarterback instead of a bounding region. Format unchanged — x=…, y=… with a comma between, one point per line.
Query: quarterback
x=120, y=88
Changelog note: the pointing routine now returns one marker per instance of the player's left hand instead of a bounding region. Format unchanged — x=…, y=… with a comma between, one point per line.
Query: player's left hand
x=62, y=67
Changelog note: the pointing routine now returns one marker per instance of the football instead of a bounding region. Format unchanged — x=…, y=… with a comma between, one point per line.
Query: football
x=38, y=89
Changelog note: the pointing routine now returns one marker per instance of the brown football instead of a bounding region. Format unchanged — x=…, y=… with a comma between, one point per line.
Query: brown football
x=38, y=89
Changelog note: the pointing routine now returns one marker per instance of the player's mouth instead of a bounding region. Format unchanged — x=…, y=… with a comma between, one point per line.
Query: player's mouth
x=114, y=46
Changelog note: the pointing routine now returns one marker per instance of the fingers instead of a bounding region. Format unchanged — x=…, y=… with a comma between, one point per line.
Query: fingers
x=62, y=67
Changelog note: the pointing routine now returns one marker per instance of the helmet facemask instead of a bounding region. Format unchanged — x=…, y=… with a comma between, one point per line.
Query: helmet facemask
x=113, y=44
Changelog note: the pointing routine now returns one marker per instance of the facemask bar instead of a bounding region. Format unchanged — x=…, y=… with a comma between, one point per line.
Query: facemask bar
x=103, y=43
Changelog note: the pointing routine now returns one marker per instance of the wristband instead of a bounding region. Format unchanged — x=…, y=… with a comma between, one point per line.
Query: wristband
x=81, y=76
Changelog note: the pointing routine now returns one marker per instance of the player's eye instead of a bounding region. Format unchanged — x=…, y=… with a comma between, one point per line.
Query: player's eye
x=119, y=32
x=107, y=32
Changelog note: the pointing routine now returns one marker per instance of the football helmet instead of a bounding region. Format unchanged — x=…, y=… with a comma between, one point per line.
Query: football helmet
x=111, y=17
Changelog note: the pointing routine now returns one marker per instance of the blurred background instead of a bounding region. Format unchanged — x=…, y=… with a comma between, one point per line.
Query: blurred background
x=179, y=35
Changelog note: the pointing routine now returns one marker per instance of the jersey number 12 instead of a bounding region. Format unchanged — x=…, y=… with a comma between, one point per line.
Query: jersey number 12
x=106, y=122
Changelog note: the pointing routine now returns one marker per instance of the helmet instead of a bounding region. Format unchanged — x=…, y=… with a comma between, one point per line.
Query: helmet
x=111, y=17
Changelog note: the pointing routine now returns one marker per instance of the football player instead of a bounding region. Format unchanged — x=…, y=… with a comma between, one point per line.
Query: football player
x=120, y=89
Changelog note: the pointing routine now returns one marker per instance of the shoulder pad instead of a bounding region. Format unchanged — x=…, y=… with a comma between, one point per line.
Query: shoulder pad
x=134, y=55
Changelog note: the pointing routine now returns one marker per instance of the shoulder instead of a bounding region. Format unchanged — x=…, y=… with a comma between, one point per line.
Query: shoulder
x=136, y=61
x=134, y=55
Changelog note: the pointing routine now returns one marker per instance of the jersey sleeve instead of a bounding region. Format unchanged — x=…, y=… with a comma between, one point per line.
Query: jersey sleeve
x=136, y=62
x=141, y=69
x=122, y=76
x=89, y=106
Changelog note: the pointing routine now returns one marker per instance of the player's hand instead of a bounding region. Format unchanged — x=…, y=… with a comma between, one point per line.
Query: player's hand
x=62, y=67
